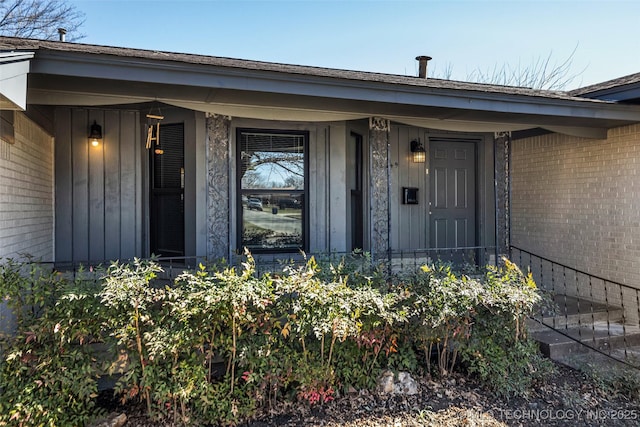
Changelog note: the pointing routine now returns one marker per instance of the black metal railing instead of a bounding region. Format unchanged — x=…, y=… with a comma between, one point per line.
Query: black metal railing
x=594, y=312
x=471, y=258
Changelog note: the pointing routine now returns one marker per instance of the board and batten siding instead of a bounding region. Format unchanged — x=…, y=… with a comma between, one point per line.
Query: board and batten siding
x=26, y=192
x=98, y=189
x=328, y=217
x=410, y=223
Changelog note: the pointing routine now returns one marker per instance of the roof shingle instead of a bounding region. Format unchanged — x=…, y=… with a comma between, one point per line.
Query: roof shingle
x=11, y=43
x=609, y=84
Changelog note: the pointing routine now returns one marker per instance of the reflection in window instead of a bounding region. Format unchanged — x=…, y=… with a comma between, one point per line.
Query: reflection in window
x=271, y=168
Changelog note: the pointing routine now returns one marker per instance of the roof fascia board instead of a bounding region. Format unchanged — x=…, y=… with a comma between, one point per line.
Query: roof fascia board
x=169, y=72
x=620, y=93
x=15, y=56
x=14, y=68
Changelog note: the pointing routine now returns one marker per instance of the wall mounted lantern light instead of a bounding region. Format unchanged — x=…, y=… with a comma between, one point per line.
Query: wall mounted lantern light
x=418, y=152
x=95, y=135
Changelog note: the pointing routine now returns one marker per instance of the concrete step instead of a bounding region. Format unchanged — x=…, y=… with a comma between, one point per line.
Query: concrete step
x=606, y=366
x=571, y=311
x=574, y=320
x=606, y=337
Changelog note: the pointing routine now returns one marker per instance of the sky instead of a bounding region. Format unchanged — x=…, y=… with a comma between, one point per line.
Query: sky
x=601, y=39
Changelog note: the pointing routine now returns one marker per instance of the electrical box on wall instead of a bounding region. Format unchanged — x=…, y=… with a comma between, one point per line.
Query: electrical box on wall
x=409, y=196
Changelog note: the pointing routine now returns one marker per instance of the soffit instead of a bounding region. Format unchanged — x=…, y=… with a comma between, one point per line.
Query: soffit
x=63, y=90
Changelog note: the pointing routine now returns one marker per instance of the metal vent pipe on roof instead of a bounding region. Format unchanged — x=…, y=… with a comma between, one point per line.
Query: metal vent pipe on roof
x=422, y=65
x=62, y=32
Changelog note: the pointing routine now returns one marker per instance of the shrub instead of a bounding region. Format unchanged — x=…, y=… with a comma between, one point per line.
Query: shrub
x=216, y=346
x=131, y=318
x=48, y=374
x=28, y=289
x=498, y=350
x=443, y=305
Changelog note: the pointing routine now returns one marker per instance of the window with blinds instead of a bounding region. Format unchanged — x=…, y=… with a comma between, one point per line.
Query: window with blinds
x=272, y=187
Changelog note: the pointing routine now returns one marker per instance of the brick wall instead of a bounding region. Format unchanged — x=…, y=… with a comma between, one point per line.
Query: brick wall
x=577, y=201
x=26, y=192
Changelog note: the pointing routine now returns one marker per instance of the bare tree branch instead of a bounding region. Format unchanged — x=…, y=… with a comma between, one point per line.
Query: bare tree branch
x=542, y=73
x=446, y=73
x=286, y=161
x=39, y=19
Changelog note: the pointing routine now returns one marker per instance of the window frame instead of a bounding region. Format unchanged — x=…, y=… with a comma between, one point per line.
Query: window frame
x=240, y=191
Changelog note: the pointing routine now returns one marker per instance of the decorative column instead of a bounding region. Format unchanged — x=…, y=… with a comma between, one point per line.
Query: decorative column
x=501, y=146
x=380, y=187
x=218, y=197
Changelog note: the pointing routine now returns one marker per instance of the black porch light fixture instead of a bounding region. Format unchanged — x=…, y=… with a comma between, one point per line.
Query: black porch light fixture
x=95, y=135
x=418, y=152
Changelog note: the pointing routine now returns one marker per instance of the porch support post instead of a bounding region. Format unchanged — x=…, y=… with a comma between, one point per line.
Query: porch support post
x=380, y=188
x=218, y=197
x=502, y=159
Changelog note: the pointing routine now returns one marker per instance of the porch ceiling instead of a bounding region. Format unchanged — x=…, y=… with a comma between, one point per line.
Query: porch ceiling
x=70, y=78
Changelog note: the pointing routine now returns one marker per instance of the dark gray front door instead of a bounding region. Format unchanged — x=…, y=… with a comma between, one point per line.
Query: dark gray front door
x=452, y=210
x=167, y=192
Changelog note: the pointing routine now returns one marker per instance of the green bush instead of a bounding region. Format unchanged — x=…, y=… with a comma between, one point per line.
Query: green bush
x=217, y=346
x=498, y=350
x=48, y=375
x=443, y=305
